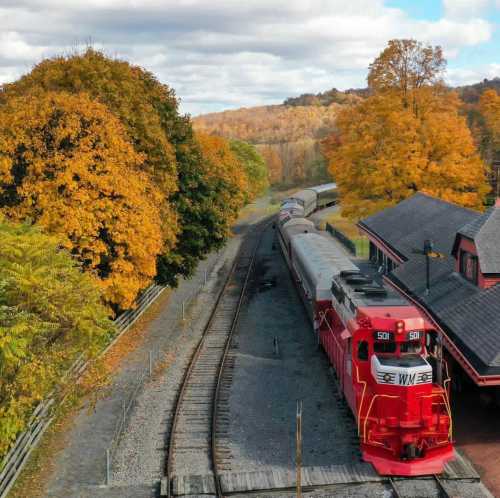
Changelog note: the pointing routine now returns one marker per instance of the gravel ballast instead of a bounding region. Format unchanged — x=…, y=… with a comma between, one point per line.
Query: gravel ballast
x=80, y=467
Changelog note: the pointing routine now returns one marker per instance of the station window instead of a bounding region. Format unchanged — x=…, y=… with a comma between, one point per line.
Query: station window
x=384, y=347
x=468, y=266
x=363, y=351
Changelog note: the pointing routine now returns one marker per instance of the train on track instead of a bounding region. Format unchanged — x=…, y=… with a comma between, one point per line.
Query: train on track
x=386, y=355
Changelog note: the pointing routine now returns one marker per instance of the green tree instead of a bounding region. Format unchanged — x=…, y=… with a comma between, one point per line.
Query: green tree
x=50, y=312
x=255, y=168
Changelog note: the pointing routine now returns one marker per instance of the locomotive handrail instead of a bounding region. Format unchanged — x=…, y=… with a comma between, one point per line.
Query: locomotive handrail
x=323, y=318
x=362, y=398
x=439, y=395
x=370, y=409
x=448, y=409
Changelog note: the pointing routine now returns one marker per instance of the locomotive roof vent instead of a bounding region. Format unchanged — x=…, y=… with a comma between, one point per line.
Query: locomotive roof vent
x=372, y=290
x=349, y=273
x=359, y=279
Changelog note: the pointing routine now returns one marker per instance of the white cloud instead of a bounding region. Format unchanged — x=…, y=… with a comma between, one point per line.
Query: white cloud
x=465, y=8
x=227, y=53
x=458, y=77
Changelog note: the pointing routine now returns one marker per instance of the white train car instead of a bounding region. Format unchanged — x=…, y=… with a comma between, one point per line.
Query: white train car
x=315, y=261
x=288, y=229
x=305, y=199
x=326, y=195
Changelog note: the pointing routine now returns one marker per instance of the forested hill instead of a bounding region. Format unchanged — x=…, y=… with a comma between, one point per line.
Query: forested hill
x=286, y=135
x=289, y=135
x=470, y=93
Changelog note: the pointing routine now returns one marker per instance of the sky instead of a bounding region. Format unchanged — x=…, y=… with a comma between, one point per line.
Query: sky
x=225, y=54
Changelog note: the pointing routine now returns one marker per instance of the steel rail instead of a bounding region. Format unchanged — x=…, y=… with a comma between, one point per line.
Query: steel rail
x=441, y=489
x=395, y=490
x=442, y=492
x=256, y=232
x=215, y=460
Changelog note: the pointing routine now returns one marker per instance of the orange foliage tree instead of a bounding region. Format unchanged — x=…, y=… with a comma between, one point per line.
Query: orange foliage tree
x=274, y=163
x=133, y=95
x=67, y=165
x=227, y=178
x=286, y=136
x=489, y=106
x=406, y=65
x=386, y=151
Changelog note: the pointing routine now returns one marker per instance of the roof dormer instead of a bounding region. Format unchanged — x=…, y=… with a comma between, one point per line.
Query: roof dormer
x=477, y=249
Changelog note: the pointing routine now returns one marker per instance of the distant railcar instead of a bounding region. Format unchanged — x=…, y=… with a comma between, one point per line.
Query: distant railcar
x=384, y=352
x=305, y=199
x=326, y=195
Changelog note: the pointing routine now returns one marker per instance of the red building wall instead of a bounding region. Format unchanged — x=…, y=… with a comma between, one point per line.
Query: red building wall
x=483, y=281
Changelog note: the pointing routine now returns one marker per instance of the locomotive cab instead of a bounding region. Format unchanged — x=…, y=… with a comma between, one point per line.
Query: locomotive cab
x=404, y=415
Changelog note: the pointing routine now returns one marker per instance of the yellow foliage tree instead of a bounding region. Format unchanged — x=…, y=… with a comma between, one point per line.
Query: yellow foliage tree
x=132, y=95
x=489, y=106
x=387, y=151
x=226, y=175
x=67, y=165
x=406, y=65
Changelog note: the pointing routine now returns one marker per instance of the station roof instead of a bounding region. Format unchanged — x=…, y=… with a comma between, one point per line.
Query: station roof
x=404, y=227
x=469, y=315
x=485, y=232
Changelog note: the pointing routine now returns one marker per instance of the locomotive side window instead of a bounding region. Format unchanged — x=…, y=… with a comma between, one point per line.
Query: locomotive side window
x=362, y=350
x=384, y=347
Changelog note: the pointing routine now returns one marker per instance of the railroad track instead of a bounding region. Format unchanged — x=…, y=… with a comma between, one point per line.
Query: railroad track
x=442, y=492
x=192, y=446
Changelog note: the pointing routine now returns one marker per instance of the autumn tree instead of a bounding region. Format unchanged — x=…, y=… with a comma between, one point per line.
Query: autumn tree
x=286, y=136
x=227, y=178
x=406, y=65
x=489, y=106
x=66, y=164
x=274, y=164
x=149, y=112
x=385, y=152
x=50, y=312
x=254, y=166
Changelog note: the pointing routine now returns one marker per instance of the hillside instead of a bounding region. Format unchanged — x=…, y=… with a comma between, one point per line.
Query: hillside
x=470, y=93
x=287, y=136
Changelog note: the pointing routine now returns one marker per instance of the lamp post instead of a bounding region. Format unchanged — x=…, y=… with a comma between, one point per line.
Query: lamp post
x=428, y=250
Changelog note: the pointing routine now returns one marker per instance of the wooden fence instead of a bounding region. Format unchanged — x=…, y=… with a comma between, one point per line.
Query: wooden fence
x=44, y=413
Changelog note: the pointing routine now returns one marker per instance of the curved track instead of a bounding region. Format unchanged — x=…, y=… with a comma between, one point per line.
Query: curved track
x=192, y=445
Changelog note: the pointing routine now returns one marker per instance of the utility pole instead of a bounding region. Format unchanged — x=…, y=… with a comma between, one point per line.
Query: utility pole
x=298, y=456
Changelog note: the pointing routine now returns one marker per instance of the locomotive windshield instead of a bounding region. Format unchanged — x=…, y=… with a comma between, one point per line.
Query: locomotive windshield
x=410, y=347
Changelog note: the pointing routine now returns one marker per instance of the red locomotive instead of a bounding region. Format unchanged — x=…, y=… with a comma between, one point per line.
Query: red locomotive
x=385, y=353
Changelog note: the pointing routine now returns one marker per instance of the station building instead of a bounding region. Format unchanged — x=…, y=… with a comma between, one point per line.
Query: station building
x=460, y=294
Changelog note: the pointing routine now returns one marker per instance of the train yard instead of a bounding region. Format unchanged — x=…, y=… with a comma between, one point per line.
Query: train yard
x=220, y=421
x=252, y=431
